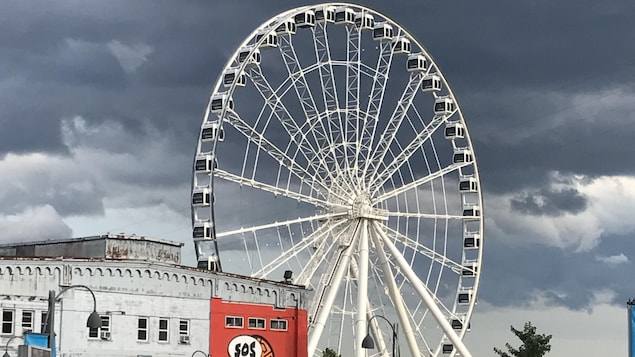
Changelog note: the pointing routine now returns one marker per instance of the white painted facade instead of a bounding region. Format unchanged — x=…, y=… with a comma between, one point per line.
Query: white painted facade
x=126, y=291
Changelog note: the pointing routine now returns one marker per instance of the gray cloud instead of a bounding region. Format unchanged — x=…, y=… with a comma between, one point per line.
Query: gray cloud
x=550, y=202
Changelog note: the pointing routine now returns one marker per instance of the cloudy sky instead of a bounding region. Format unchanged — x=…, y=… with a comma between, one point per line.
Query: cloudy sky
x=101, y=102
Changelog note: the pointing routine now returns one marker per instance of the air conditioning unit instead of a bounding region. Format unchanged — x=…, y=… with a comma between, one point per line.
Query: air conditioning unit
x=104, y=335
x=184, y=340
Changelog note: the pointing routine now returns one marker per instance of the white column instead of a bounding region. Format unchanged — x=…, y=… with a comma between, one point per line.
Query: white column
x=362, y=289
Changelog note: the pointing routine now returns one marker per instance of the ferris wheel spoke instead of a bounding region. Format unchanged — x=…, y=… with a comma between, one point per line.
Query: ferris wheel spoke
x=320, y=255
x=424, y=215
x=388, y=135
x=328, y=293
x=292, y=252
x=273, y=151
x=296, y=135
x=316, y=217
x=305, y=97
x=375, y=101
x=393, y=291
x=277, y=191
x=352, y=95
x=420, y=181
x=425, y=251
x=405, y=154
x=425, y=295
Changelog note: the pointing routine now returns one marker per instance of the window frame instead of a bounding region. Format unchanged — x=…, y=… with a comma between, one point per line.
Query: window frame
x=256, y=320
x=165, y=330
x=234, y=319
x=279, y=321
x=186, y=331
x=145, y=329
x=31, y=323
x=10, y=323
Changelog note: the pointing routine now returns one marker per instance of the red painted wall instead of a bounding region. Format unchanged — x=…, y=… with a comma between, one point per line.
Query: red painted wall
x=289, y=343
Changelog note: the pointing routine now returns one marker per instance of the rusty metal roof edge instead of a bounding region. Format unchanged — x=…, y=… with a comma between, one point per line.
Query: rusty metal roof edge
x=97, y=237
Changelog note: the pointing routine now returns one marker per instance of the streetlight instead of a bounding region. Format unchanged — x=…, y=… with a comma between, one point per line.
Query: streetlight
x=94, y=320
x=369, y=343
x=6, y=347
x=195, y=352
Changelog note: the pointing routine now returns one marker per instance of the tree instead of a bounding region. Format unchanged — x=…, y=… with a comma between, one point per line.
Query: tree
x=534, y=345
x=330, y=353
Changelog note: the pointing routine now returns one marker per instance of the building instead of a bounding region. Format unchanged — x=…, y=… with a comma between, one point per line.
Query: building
x=150, y=304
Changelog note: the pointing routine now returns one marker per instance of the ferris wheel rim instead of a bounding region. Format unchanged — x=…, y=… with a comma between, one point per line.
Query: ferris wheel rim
x=288, y=14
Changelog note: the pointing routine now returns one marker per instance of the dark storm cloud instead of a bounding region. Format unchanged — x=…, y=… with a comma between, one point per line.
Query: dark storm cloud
x=548, y=202
x=514, y=273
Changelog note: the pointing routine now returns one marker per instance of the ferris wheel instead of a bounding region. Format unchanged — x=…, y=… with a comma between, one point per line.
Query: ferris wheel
x=332, y=151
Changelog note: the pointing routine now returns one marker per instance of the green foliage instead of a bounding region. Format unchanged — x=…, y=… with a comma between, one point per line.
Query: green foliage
x=534, y=345
x=330, y=353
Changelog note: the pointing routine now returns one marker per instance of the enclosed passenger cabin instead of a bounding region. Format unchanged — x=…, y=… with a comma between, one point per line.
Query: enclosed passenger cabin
x=250, y=56
x=211, y=130
x=383, y=32
x=401, y=46
x=444, y=105
x=470, y=269
x=345, y=16
x=364, y=21
x=465, y=297
x=468, y=184
x=201, y=197
x=270, y=39
x=462, y=156
x=458, y=324
x=325, y=14
x=202, y=230
x=232, y=75
x=472, y=240
x=286, y=27
x=447, y=348
x=219, y=101
x=305, y=19
x=204, y=163
x=417, y=63
x=431, y=83
x=471, y=211
x=454, y=130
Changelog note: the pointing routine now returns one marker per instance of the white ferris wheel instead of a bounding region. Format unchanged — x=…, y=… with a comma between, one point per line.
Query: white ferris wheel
x=332, y=147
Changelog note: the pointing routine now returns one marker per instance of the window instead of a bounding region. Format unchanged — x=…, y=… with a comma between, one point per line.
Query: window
x=256, y=323
x=7, y=322
x=164, y=330
x=233, y=321
x=142, y=329
x=184, y=327
x=280, y=325
x=27, y=320
x=105, y=327
x=45, y=316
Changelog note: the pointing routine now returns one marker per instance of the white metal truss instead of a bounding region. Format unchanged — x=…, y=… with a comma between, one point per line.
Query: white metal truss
x=310, y=165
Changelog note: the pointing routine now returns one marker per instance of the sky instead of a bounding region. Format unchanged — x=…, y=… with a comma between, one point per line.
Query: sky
x=101, y=103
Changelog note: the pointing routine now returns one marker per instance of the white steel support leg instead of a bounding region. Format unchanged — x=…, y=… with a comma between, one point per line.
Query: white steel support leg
x=362, y=289
x=393, y=290
x=326, y=306
x=425, y=296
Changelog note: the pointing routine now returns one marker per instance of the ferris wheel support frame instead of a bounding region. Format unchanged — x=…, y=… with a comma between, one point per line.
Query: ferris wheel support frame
x=424, y=294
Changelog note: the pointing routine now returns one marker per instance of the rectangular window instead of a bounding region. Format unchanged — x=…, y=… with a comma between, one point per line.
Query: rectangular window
x=164, y=330
x=142, y=329
x=105, y=327
x=184, y=327
x=27, y=320
x=256, y=323
x=43, y=322
x=7, y=322
x=233, y=321
x=280, y=325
